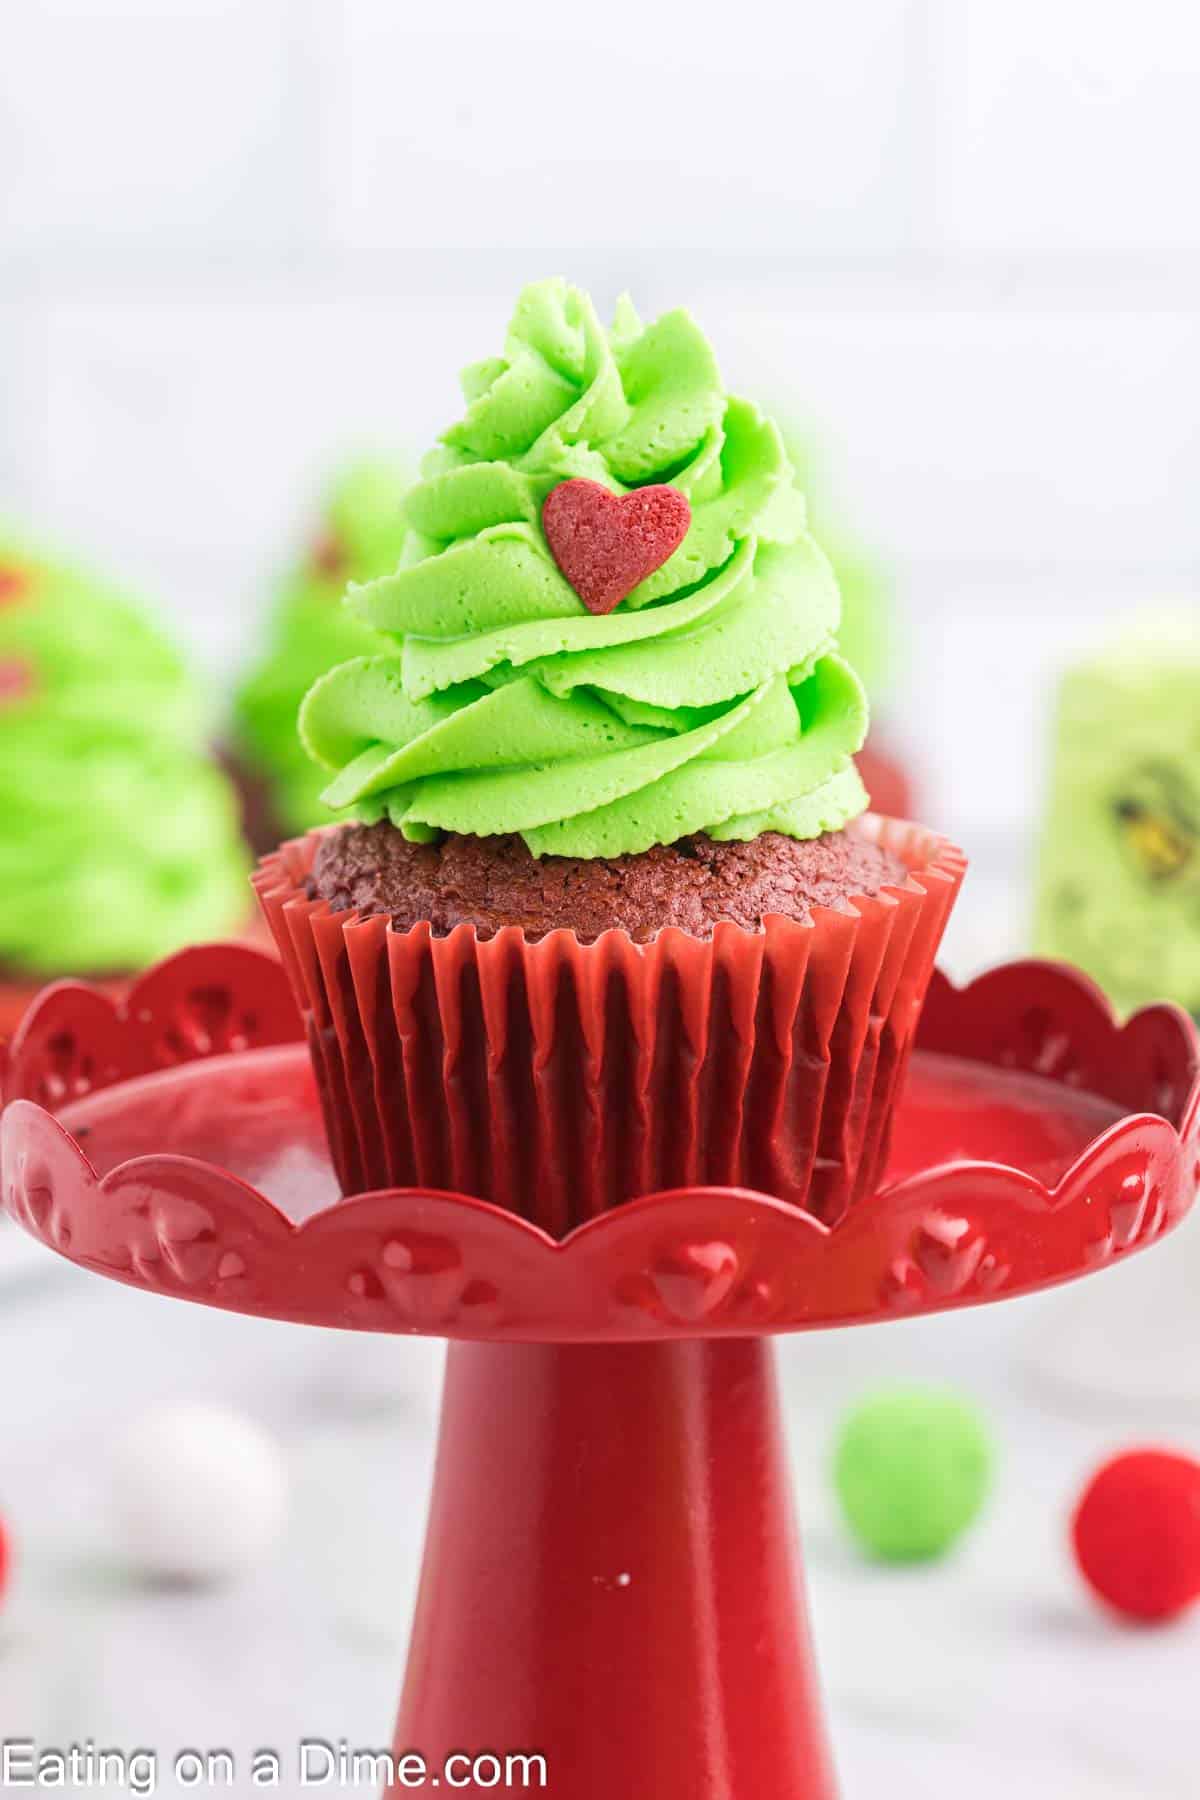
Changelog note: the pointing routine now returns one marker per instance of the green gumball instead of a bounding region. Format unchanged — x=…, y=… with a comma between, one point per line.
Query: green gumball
x=912, y=1468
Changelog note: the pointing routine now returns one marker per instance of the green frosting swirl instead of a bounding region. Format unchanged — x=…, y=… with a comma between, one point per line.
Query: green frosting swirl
x=119, y=840
x=361, y=535
x=712, y=699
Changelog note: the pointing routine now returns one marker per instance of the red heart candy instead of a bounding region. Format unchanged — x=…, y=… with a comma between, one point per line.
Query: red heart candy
x=606, y=543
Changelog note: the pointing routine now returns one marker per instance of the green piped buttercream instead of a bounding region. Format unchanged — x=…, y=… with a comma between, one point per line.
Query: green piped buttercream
x=712, y=699
x=119, y=838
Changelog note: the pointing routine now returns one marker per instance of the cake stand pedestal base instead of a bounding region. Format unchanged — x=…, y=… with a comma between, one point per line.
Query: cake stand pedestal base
x=611, y=1577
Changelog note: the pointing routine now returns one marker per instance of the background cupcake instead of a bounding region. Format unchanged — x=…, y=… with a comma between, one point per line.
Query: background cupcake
x=119, y=839
x=868, y=634
x=602, y=927
x=359, y=536
x=1118, y=888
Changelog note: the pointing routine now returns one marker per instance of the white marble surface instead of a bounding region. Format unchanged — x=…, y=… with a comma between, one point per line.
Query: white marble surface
x=990, y=1675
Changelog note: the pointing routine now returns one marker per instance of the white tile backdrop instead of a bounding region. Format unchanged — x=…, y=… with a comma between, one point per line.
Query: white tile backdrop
x=956, y=240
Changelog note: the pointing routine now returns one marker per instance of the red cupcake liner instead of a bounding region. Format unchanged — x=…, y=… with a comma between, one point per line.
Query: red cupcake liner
x=557, y=1078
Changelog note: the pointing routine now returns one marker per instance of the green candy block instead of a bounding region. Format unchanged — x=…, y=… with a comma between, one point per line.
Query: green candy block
x=1118, y=889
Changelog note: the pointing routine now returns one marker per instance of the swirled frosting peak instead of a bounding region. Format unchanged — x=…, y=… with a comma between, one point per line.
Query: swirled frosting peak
x=711, y=699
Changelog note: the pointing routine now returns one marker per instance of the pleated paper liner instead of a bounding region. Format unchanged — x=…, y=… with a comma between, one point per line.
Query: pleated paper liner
x=558, y=1079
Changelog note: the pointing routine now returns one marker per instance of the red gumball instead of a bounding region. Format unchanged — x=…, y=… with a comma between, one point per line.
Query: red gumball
x=1136, y=1533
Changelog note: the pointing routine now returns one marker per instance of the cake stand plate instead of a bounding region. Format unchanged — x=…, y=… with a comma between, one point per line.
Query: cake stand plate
x=611, y=1582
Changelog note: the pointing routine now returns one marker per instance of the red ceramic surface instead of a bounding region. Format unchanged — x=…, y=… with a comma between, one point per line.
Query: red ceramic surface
x=16, y=997
x=1035, y=1140
x=610, y=1578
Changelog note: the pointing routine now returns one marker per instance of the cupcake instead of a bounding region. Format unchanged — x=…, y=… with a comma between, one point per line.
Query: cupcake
x=360, y=536
x=119, y=840
x=605, y=917
x=1118, y=885
x=867, y=637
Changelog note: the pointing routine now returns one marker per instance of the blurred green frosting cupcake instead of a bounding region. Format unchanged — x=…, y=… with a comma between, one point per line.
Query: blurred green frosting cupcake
x=119, y=840
x=1119, y=868
x=361, y=535
x=712, y=699
x=867, y=633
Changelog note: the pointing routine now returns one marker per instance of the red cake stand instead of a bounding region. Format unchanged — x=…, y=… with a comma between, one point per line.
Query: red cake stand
x=611, y=1575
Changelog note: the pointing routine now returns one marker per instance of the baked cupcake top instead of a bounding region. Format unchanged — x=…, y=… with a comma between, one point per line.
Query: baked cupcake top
x=360, y=535
x=119, y=840
x=595, y=674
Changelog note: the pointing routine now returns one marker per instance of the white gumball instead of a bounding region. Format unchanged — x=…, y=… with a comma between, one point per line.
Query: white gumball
x=199, y=1493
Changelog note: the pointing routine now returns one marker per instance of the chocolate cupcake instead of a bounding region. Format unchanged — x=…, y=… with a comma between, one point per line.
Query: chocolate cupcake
x=607, y=919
